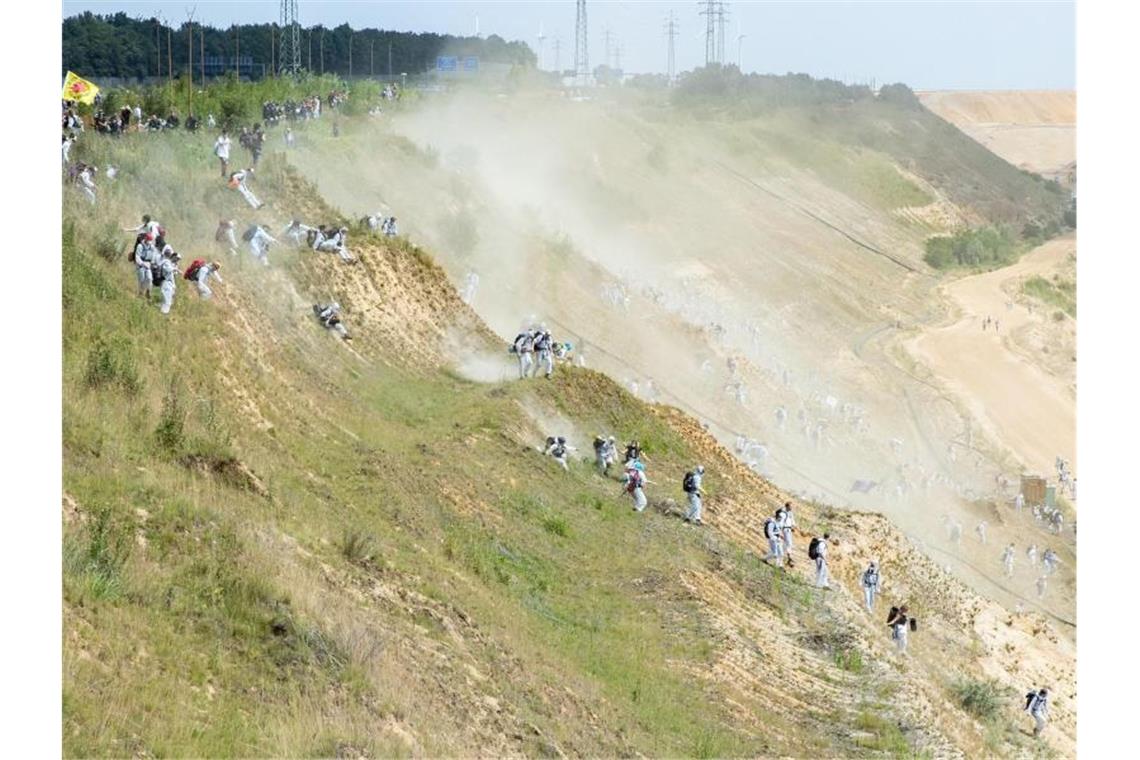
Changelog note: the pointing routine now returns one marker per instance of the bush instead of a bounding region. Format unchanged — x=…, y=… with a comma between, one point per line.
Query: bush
x=112, y=363
x=171, y=433
x=988, y=246
x=98, y=558
x=557, y=526
x=982, y=699
x=356, y=546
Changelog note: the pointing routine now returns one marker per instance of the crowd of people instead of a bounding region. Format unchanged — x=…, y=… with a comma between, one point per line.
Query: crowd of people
x=158, y=267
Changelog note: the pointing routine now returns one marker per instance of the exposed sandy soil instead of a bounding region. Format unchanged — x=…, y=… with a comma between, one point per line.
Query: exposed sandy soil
x=1029, y=410
x=1033, y=129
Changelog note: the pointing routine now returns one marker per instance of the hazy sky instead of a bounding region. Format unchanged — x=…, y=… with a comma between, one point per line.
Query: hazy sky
x=929, y=45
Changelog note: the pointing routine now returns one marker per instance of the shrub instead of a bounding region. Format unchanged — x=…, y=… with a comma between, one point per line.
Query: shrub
x=557, y=526
x=171, y=430
x=356, y=546
x=111, y=362
x=982, y=699
x=98, y=558
x=988, y=246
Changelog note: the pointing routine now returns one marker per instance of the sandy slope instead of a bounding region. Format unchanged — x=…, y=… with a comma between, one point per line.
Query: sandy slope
x=1030, y=411
x=1035, y=130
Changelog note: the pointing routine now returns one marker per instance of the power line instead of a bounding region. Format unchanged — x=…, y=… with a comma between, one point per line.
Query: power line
x=581, y=47
x=290, y=48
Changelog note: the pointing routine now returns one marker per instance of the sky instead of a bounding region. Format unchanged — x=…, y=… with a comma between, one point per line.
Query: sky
x=956, y=44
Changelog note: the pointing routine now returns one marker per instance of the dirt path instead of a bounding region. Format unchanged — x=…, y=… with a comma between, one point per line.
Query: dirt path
x=1019, y=404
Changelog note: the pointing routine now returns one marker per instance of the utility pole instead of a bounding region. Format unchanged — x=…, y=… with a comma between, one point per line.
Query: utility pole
x=371, y=58
x=322, y=51
x=290, y=46
x=721, y=16
x=558, y=55
x=169, y=54
x=740, y=35
x=714, y=14
x=202, y=52
x=581, y=47
x=190, y=62
x=607, y=46
x=237, y=51
x=272, y=50
x=350, y=54
x=157, y=51
x=310, y=50
x=671, y=33
x=389, y=60
x=541, y=39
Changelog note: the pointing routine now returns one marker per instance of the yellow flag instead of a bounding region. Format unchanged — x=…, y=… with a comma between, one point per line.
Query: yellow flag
x=79, y=89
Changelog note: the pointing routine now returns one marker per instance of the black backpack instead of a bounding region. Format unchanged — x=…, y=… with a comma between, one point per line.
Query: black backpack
x=249, y=233
x=156, y=277
x=1029, y=699
x=770, y=529
x=687, y=485
x=894, y=613
x=813, y=548
x=599, y=442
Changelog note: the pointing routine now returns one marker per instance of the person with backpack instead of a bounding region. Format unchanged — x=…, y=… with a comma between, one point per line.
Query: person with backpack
x=1037, y=705
x=238, y=182
x=898, y=621
x=775, y=539
x=298, y=233
x=523, y=347
x=144, y=257
x=165, y=273
x=634, y=484
x=1007, y=560
x=199, y=272
x=259, y=241
x=871, y=585
x=543, y=349
x=691, y=484
x=329, y=317
x=981, y=531
x=604, y=453
x=817, y=550
x=1031, y=555
x=558, y=448
x=334, y=242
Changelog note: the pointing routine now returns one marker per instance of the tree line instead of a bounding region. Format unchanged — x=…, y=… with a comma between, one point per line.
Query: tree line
x=121, y=46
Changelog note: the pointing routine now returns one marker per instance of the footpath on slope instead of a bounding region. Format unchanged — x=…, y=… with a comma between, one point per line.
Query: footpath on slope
x=1023, y=407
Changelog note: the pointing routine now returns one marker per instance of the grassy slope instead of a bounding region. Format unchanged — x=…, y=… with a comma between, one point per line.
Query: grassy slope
x=276, y=545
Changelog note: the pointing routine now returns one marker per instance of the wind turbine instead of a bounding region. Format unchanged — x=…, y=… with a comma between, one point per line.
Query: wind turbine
x=740, y=48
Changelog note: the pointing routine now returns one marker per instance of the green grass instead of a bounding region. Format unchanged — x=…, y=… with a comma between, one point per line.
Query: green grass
x=1059, y=293
x=981, y=698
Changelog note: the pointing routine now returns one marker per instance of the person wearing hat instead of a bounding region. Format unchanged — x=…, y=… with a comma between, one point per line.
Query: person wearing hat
x=167, y=273
x=871, y=585
x=205, y=272
x=692, y=486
